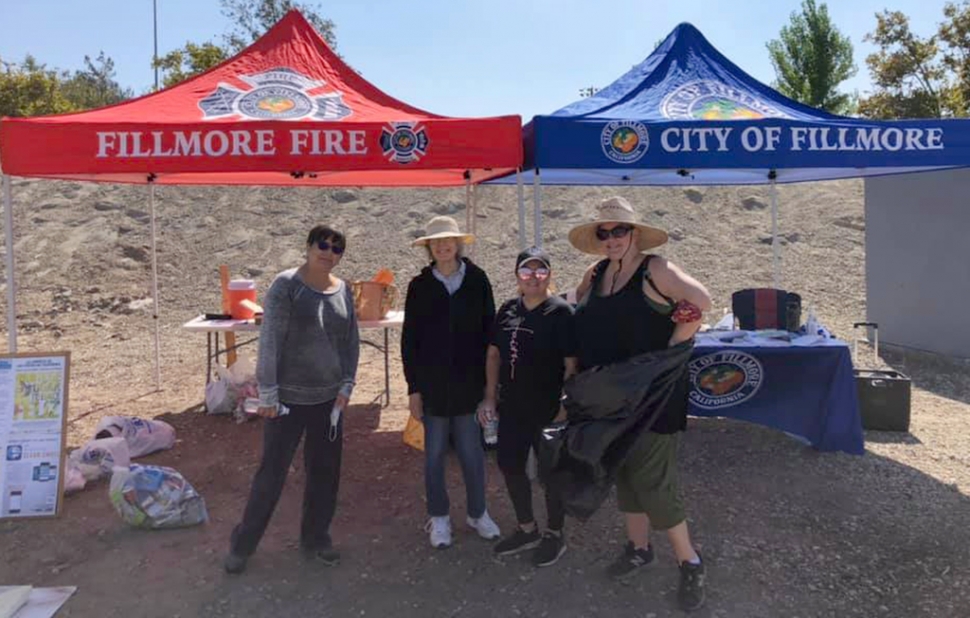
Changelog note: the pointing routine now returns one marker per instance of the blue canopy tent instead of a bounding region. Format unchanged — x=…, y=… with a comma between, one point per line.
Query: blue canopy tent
x=689, y=116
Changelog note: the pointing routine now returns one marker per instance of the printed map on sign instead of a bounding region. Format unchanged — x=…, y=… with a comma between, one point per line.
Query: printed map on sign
x=38, y=397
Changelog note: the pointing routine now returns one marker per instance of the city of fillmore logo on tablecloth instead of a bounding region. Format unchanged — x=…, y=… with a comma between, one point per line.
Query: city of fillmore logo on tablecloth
x=723, y=379
x=277, y=94
x=711, y=100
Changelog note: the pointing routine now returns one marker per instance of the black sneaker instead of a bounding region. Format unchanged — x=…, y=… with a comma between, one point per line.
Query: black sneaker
x=551, y=548
x=519, y=541
x=233, y=564
x=690, y=595
x=631, y=560
x=327, y=556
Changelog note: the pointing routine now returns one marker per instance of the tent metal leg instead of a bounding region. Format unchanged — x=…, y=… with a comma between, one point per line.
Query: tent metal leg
x=11, y=276
x=469, y=213
x=775, y=246
x=158, y=357
x=521, y=195
x=537, y=209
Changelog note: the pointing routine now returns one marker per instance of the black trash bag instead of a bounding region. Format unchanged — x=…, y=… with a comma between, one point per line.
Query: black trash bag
x=608, y=410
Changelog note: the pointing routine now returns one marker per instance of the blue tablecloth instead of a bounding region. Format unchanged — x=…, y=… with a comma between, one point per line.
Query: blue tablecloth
x=806, y=391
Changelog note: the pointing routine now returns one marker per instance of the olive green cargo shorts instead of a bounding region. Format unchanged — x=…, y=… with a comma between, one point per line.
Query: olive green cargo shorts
x=647, y=481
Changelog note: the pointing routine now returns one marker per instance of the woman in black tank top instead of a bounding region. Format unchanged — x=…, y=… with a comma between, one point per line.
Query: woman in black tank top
x=629, y=304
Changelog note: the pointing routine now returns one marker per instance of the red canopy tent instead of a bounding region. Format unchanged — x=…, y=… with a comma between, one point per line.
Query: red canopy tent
x=284, y=111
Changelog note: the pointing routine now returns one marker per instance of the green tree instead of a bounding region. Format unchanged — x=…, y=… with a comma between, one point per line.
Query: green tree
x=811, y=58
x=954, y=33
x=910, y=79
x=188, y=61
x=95, y=86
x=250, y=19
x=31, y=89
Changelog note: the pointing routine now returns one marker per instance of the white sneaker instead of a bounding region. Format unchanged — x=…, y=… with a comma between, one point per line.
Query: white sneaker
x=440, y=531
x=485, y=527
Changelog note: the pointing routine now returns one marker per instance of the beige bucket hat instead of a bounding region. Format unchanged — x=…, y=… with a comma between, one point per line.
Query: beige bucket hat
x=443, y=227
x=614, y=210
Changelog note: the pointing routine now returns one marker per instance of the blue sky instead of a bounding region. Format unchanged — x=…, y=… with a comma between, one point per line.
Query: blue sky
x=450, y=57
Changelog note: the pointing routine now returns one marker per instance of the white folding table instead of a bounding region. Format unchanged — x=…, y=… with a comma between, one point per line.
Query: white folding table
x=213, y=328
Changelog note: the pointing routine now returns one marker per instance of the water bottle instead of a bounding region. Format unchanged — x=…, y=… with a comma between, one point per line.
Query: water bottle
x=491, y=430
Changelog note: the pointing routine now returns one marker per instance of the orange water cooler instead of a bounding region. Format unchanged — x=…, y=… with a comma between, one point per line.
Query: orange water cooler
x=240, y=290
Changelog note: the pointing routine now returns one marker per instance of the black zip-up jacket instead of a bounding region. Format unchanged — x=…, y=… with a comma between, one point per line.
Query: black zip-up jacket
x=445, y=339
x=609, y=409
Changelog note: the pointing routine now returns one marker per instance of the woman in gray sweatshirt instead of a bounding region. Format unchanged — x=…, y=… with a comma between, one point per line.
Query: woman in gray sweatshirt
x=306, y=369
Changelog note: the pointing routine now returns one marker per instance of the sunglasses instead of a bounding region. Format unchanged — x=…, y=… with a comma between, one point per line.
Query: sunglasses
x=618, y=232
x=541, y=274
x=324, y=245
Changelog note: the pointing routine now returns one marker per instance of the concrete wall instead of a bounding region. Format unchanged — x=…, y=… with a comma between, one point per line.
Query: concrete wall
x=918, y=260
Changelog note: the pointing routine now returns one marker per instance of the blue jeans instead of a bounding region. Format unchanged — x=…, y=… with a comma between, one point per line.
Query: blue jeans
x=468, y=443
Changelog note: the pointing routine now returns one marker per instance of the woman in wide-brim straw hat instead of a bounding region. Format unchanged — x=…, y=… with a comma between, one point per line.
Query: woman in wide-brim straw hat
x=447, y=317
x=630, y=303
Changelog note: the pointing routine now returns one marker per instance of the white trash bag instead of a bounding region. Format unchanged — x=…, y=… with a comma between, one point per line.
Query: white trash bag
x=221, y=396
x=73, y=480
x=143, y=436
x=156, y=497
x=97, y=458
x=226, y=394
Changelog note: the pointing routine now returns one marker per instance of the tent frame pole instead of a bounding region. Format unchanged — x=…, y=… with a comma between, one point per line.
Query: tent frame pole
x=469, y=211
x=537, y=209
x=775, y=245
x=11, y=275
x=521, y=195
x=155, y=311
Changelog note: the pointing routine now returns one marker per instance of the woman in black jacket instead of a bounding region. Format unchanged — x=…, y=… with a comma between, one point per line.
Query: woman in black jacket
x=447, y=317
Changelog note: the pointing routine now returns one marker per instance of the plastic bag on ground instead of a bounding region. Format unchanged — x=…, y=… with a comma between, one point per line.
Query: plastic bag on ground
x=156, y=497
x=221, y=396
x=97, y=458
x=143, y=436
x=73, y=480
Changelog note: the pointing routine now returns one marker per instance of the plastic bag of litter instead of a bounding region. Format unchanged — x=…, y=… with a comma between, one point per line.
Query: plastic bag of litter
x=143, y=436
x=156, y=497
x=73, y=480
x=221, y=396
x=98, y=458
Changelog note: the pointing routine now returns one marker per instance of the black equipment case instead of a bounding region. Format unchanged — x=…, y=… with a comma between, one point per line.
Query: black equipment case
x=884, y=396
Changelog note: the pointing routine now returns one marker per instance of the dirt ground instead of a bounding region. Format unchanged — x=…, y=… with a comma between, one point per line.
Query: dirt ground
x=786, y=531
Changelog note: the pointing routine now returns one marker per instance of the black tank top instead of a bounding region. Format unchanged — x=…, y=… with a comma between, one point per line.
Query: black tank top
x=611, y=329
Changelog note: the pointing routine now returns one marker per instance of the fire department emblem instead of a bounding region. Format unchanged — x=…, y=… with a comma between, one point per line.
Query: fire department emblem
x=278, y=94
x=404, y=142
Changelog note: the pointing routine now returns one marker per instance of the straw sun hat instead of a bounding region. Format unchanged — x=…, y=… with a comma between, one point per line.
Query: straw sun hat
x=443, y=227
x=614, y=210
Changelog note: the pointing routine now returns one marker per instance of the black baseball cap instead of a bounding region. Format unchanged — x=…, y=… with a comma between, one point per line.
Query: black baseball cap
x=533, y=253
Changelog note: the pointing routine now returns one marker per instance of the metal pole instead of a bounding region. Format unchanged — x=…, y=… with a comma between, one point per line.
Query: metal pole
x=475, y=211
x=11, y=276
x=158, y=357
x=775, y=246
x=469, y=215
x=521, y=193
x=155, y=28
x=537, y=209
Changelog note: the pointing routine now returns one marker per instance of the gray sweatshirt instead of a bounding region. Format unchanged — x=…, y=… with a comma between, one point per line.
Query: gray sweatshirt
x=308, y=343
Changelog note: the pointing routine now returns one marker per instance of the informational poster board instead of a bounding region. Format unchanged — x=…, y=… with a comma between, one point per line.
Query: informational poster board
x=33, y=420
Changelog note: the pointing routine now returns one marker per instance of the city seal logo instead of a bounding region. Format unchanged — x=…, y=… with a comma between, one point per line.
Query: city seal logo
x=711, y=100
x=724, y=379
x=278, y=94
x=404, y=142
x=625, y=141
